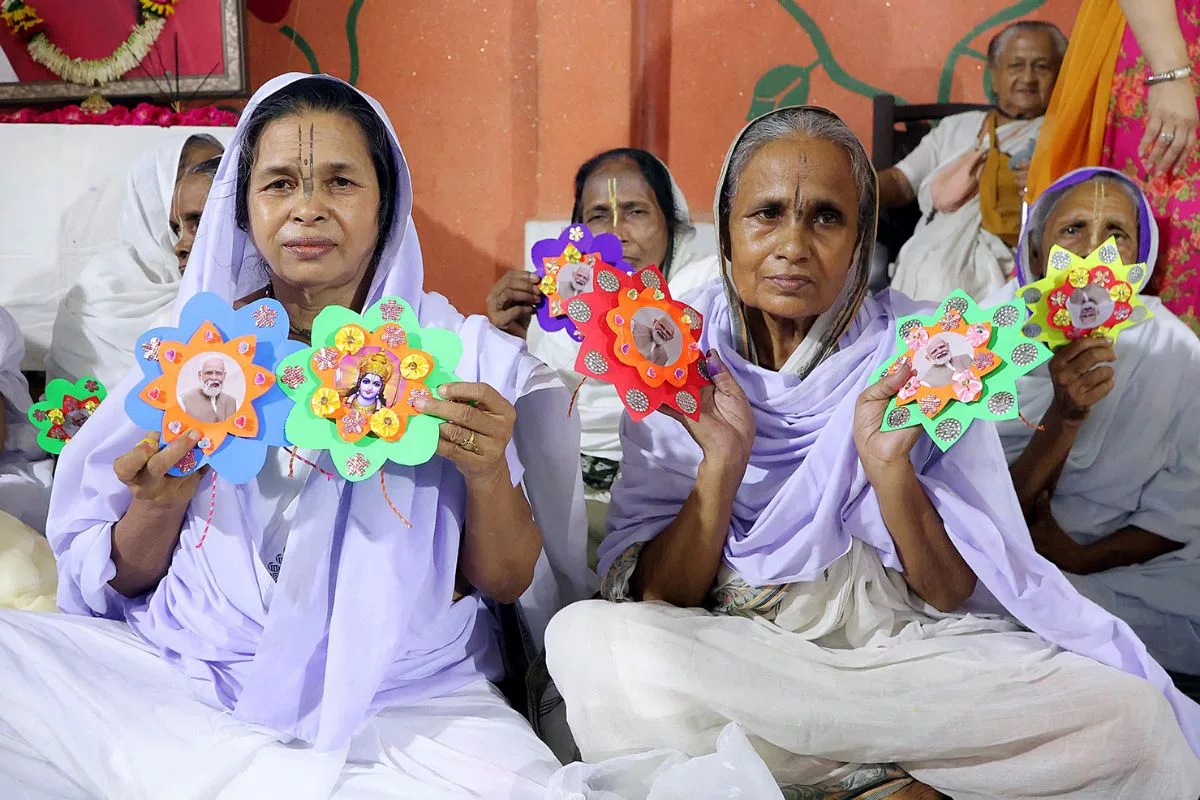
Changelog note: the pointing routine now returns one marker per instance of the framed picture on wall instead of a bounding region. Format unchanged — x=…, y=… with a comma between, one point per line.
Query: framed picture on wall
x=68, y=49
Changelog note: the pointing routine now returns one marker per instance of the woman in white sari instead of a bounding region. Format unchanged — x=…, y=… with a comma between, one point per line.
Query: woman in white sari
x=848, y=595
x=951, y=247
x=131, y=285
x=1111, y=478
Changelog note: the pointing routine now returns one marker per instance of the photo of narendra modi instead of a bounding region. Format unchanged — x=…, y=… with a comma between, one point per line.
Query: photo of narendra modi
x=211, y=387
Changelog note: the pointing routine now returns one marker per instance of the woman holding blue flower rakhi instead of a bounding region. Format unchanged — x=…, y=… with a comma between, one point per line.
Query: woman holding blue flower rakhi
x=311, y=614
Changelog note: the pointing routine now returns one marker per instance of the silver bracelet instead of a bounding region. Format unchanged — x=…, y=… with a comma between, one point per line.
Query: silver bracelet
x=1177, y=74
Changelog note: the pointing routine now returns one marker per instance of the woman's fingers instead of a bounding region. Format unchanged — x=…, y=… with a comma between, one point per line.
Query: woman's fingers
x=481, y=395
x=162, y=461
x=1154, y=126
x=502, y=319
x=128, y=465
x=467, y=417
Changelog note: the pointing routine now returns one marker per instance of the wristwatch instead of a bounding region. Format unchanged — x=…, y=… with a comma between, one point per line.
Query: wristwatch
x=1170, y=75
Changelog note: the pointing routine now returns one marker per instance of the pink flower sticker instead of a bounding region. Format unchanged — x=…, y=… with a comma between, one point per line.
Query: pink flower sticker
x=967, y=387
x=917, y=338
x=909, y=390
x=978, y=335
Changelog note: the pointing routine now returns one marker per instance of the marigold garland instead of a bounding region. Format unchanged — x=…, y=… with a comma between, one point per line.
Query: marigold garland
x=25, y=23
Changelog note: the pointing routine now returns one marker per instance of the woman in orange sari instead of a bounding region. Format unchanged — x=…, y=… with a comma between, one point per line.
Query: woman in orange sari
x=1126, y=99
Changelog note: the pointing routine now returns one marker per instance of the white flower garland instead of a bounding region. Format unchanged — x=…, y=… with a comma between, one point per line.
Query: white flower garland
x=100, y=71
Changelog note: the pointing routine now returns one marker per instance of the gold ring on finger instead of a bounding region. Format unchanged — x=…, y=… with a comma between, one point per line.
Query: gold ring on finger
x=469, y=444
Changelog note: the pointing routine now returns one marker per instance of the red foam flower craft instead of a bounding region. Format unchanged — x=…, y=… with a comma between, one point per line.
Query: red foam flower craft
x=643, y=342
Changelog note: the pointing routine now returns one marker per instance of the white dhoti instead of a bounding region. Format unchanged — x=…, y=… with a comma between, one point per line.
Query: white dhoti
x=88, y=711
x=849, y=673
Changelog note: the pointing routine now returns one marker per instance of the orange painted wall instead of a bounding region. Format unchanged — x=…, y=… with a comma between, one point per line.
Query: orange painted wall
x=496, y=102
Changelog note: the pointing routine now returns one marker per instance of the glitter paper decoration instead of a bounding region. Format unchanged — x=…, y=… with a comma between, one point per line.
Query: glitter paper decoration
x=575, y=263
x=66, y=408
x=965, y=363
x=641, y=340
x=214, y=373
x=1080, y=297
x=356, y=388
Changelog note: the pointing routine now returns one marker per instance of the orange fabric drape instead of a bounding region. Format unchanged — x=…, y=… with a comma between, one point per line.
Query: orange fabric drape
x=1072, y=135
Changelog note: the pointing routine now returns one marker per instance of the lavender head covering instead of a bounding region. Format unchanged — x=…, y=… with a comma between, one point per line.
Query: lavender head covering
x=363, y=615
x=1027, y=271
x=804, y=495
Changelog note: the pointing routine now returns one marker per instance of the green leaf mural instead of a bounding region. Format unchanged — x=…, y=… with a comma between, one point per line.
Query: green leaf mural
x=788, y=84
x=351, y=43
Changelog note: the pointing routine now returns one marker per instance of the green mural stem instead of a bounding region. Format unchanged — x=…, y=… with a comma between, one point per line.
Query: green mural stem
x=825, y=54
x=963, y=46
x=352, y=38
x=303, y=46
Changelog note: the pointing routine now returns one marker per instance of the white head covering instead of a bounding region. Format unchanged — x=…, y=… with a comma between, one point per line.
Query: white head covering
x=130, y=285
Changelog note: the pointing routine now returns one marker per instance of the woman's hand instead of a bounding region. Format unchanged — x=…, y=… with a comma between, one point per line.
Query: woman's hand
x=881, y=450
x=1172, y=118
x=726, y=428
x=1080, y=378
x=144, y=470
x=1050, y=540
x=511, y=302
x=478, y=427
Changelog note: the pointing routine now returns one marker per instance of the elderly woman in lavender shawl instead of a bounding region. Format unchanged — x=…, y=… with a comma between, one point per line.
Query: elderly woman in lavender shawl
x=848, y=596
x=312, y=645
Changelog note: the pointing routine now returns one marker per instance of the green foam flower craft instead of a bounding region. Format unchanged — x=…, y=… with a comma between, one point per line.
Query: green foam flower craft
x=64, y=411
x=356, y=388
x=965, y=363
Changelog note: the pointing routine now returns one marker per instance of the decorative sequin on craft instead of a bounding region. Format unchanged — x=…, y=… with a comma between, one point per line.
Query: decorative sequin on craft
x=356, y=465
x=984, y=360
x=187, y=463
x=636, y=399
x=951, y=320
x=579, y=311
x=575, y=234
x=1001, y=402
x=658, y=294
x=948, y=430
x=155, y=394
x=1139, y=313
x=326, y=358
x=1006, y=316
x=240, y=421
x=595, y=363
x=632, y=294
x=264, y=316
x=907, y=328
x=1062, y=318
x=293, y=376
x=686, y=402
x=175, y=426
x=1024, y=354
x=210, y=336
x=243, y=347
x=354, y=422
x=260, y=378
x=150, y=348
x=40, y=415
x=1103, y=277
x=1060, y=259
x=393, y=335
x=608, y=281
x=204, y=443
x=1136, y=273
x=680, y=373
x=898, y=416
x=1120, y=293
x=929, y=405
x=91, y=386
x=170, y=354
x=1032, y=330
x=1122, y=313
x=1079, y=277
x=390, y=311
x=651, y=372
x=415, y=366
x=1108, y=252
x=958, y=304
x=650, y=279
x=1031, y=295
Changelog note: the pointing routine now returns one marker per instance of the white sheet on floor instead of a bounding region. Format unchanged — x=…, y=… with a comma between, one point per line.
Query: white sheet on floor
x=856, y=670
x=89, y=711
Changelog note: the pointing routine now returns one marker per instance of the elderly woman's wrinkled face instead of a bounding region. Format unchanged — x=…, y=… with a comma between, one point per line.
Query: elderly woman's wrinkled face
x=793, y=225
x=314, y=200
x=1024, y=74
x=617, y=199
x=1084, y=218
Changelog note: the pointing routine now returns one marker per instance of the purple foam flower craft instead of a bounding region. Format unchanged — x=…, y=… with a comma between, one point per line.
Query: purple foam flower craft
x=566, y=262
